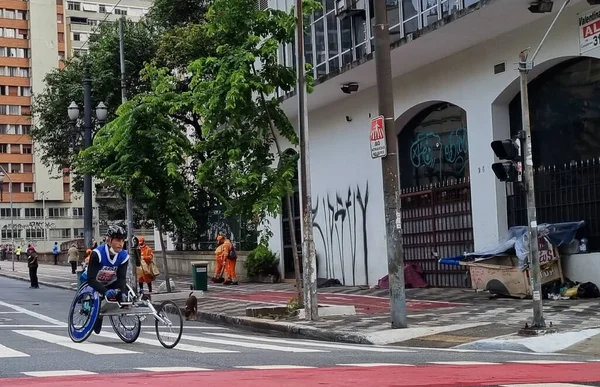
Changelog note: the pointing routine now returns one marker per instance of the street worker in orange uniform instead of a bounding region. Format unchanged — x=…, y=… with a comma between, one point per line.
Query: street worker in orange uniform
x=218, y=276
x=147, y=273
x=229, y=257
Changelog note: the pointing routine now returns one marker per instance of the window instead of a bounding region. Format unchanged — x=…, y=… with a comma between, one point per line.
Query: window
x=9, y=14
x=34, y=213
x=15, y=168
x=58, y=212
x=27, y=187
x=73, y=6
x=102, y=8
x=27, y=149
x=3, y=148
x=120, y=11
x=27, y=168
x=77, y=232
x=9, y=33
x=5, y=212
x=92, y=22
x=60, y=233
x=77, y=212
x=35, y=233
x=11, y=234
x=59, y=18
x=22, y=15
x=61, y=37
x=76, y=36
x=25, y=91
x=90, y=7
x=14, y=110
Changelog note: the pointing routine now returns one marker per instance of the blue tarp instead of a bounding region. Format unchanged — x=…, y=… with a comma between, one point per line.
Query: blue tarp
x=516, y=242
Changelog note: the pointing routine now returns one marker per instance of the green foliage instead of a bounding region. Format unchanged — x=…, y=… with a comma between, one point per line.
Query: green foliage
x=169, y=14
x=52, y=130
x=142, y=152
x=260, y=261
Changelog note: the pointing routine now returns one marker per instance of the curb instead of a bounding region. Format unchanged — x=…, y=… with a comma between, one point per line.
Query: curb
x=287, y=328
x=45, y=283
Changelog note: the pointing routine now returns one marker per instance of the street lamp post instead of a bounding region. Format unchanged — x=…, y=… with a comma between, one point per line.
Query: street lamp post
x=4, y=174
x=101, y=115
x=43, y=195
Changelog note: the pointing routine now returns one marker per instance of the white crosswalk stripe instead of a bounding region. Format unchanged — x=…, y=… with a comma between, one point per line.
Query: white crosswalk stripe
x=173, y=369
x=365, y=348
x=180, y=346
x=6, y=352
x=45, y=374
x=94, y=349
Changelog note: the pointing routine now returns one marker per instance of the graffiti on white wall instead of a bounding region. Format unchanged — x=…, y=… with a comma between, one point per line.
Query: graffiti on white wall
x=340, y=221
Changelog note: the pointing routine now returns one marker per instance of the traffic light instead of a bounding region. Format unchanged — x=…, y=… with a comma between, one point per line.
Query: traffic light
x=511, y=168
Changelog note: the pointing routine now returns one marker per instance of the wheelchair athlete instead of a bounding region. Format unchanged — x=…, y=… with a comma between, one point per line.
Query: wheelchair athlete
x=107, y=269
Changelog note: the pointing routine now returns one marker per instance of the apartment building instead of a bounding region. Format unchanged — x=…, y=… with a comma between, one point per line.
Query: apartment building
x=83, y=17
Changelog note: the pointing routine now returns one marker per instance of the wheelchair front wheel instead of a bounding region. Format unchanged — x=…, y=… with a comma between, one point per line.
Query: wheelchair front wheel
x=127, y=327
x=83, y=313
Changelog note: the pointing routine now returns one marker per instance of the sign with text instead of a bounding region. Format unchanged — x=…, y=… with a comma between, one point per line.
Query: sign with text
x=589, y=30
x=378, y=144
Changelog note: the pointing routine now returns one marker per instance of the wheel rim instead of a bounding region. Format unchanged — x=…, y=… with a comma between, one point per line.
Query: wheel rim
x=84, y=312
x=169, y=332
x=126, y=326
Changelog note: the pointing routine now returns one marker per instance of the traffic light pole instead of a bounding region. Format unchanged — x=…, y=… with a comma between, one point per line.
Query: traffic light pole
x=534, y=256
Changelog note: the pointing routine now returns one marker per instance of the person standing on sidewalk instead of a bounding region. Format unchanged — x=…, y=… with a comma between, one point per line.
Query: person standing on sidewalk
x=229, y=257
x=18, y=252
x=220, y=266
x=149, y=270
x=55, y=251
x=73, y=258
x=32, y=264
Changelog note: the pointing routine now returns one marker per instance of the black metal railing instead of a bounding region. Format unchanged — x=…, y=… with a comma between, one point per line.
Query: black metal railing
x=563, y=193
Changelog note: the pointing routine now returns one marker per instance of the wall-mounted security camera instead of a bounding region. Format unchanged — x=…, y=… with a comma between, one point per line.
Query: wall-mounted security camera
x=349, y=88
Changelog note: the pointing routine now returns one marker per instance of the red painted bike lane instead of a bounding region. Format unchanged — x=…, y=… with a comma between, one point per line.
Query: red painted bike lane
x=383, y=376
x=362, y=304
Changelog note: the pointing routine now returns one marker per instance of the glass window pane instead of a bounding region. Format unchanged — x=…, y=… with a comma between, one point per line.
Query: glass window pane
x=319, y=12
x=469, y=3
x=361, y=51
x=329, y=5
x=346, y=58
x=308, y=47
x=321, y=70
x=395, y=34
x=360, y=34
x=334, y=64
x=393, y=14
x=410, y=8
x=430, y=15
x=346, y=30
x=320, y=40
x=332, y=35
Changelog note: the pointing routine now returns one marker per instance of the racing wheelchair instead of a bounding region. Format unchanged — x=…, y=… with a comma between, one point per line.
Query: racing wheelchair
x=125, y=316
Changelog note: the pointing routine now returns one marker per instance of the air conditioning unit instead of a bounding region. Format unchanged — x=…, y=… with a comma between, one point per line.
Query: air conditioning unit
x=348, y=8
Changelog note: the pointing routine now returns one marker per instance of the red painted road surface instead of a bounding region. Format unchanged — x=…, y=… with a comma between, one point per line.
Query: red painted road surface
x=362, y=304
x=384, y=376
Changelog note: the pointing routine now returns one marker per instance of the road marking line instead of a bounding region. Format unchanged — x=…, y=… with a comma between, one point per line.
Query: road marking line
x=180, y=346
x=32, y=326
x=307, y=343
x=10, y=312
x=94, y=349
x=274, y=367
x=33, y=314
x=45, y=374
x=9, y=352
x=173, y=369
x=462, y=363
x=545, y=362
x=244, y=344
x=376, y=365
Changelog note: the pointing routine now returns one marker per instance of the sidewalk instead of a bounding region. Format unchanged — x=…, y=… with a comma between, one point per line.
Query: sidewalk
x=441, y=318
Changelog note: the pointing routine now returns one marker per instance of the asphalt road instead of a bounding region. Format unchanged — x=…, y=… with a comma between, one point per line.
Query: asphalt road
x=34, y=342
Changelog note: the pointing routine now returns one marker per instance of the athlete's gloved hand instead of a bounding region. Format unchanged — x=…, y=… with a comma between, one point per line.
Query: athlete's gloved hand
x=111, y=294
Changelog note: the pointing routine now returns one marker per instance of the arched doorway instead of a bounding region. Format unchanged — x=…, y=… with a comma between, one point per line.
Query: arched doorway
x=565, y=132
x=288, y=258
x=435, y=192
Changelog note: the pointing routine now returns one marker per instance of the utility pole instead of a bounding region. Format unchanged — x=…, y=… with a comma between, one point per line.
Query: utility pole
x=534, y=257
x=309, y=260
x=129, y=200
x=87, y=142
x=389, y=163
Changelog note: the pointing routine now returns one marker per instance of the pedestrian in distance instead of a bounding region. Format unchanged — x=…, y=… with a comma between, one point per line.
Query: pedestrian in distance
x=32, y=264
x=73, y=258
x=55, y=251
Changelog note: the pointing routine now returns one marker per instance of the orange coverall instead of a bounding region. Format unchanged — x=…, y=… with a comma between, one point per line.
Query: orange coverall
x=219, y=268
x=146, y=252
x=229, y=263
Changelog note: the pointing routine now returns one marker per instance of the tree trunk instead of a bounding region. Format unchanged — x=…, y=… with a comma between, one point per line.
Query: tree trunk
x=299, y=292
x=164, y=256
x=288, y=200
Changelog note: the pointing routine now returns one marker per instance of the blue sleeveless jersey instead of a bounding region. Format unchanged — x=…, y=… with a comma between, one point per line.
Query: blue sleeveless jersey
x=108, y=265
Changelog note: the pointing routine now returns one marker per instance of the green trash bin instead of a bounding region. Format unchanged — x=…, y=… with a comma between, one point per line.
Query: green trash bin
x=200, y=275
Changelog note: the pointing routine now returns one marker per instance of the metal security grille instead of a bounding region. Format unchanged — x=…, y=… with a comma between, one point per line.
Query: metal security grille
x=437, y=224
x=563, y=193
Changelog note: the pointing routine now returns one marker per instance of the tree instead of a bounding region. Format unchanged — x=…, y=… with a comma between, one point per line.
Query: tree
x=143, y=153
x=241, y=114
x=52, y=130
x=169, y=14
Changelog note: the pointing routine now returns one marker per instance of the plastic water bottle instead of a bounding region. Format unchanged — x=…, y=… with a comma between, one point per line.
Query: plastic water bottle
x=583, y=245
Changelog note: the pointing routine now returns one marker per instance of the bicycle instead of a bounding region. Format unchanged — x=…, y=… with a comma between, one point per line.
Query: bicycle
x=87, y=302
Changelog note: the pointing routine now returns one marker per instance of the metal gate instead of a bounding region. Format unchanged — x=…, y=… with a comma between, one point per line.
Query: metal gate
x=437, y=224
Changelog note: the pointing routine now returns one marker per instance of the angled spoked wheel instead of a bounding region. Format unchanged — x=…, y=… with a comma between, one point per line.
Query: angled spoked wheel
x=83, y=313
x=170, y=329
x=127, y=327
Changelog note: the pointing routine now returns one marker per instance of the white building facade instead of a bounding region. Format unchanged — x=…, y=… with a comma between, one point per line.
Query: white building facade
x=455, y=90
